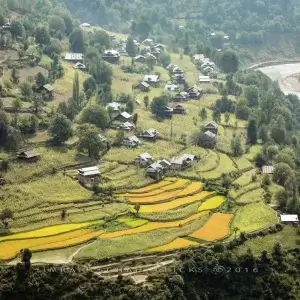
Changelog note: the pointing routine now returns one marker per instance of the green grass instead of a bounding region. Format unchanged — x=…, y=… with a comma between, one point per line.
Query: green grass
x=132, y=222
x=233, y=120
x=104, y=248
x=250, y=197
x=225, y=166
x=289, y=237
x=158, y=149
x=225, y=137
x=242, y=163
x=50, y=158
x=245, y=178
x=244, y=189
x=172, y=214
x=273, y=188
x=253, y=151
x=253, y=217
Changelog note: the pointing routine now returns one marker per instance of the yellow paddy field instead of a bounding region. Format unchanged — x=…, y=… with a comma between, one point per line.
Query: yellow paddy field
x=178, y=243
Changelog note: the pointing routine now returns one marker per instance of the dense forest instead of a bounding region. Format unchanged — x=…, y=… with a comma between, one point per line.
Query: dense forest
x=257, y=29
x=200, y=275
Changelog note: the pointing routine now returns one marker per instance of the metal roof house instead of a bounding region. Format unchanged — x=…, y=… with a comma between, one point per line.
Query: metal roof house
x=267, y=169
x=88, y=175
x=289, y=219
x=74, y=57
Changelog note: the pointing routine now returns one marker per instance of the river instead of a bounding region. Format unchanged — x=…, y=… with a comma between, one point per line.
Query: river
x=284, y=75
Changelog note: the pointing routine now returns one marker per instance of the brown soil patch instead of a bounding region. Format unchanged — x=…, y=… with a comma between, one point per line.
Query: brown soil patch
x=31, y=72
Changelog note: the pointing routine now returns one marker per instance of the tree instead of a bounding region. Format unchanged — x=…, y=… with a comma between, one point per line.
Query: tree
x=88, y=140
x=227, y=117
x=158, y=106
x=26, y=89
x=40, y=79
x=236, y=146
x=251, y=95
x=282, y=172
x=229, y=62
x=15, y=76
x=252, y=132
x=263, y=133
x=60, y=129
x=120, y=135
x=203, y=114
x=63, y=214
x=95, y=114
x=278, y=131
x=242, y=111
x=164, y=59
x=146, y=101
x=89, y=86
x=100, y=38
x=76, y=40
x=56, y=23
x=5, y=215
x=129, y=106
x=216, y=115
x=16, y=28
x=135, y=119
x=235, y=230
x=42, y=35
x=17, y=105
x=102, y=72
x=37, y=103
x=68, y=24
x=130, y=47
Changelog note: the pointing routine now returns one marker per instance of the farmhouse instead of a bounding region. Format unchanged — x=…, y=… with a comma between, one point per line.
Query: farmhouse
x=267, y=169
x=150, y=56
x=140, y=58
x=124, y=117
x=195, y=92
x=126, y=126
x=122, y=52
x=179, y=109
x=209, y=140
x=289, y=219
x=155, y=170
x=131, y=141
x=160, y=47
x=180, y=78
x=201, y=57
x=207, y=70
x=143, y=86
x=177, y=70
x=150, y=134
x=180, y=97
x=144, y=159
x=168, y=111
x=212, y=126
x=155, y=52
x=178, y=163
x=151, y=79
x=148, y=42
x=204, y=79
x=190, y=158
x=171, y=87
x=79, y=66
x=113, y=106
x=74, y=57
x=170, y=67
x=85, y=25
x=165, y=164
x=88, y=175
x=29, y=156
x=111, y=56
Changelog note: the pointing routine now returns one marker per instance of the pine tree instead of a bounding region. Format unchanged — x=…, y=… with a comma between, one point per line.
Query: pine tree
x=252, y=132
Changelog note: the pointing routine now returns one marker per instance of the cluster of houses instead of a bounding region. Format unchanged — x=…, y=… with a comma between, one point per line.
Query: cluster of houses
x=210, y=135
x=156, y=169
x=177, y=73
x=207, y=67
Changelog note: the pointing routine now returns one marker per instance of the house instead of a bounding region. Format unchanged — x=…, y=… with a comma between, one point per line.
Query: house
x=168, y=111
x=204, y=79
x=85, y=25
x=267, y=169
x=79, y=66
x=112, y=36
x=180, y=78
x=131, y=141
x=160, y=47
x=226, y=37
x=151, y=79
x=190, y=158
x=122, y=52
x=144, y=159
x=201, y=58
x=74, y=57
x=289, y=219
x=111, y=56
x=178, y=163
x=209, y=140
x=177, y=70
x=155, y=52
x=137, y=44
x=180, y=97
x=126, y=126
x=170, y=67
x=171, y=87
x=150, y=56
x=179, y=109
x=89, y=175
x=113, y=109
x=124, y=117
x=138, y=102
x=165, y=164
x=140, y=58
x=181, y=27
x=148, y=42
x=150, y=134
x=207, y=70
x=30, y=156
x=48, y=89
x=208, y=64
x=6, y=26
x=143, y=86
x=155, y=171
x=195, y=92
x=212, y=126
x=102, y=138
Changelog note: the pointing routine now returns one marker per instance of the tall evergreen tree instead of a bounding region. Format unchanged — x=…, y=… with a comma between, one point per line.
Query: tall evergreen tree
x=252, y=132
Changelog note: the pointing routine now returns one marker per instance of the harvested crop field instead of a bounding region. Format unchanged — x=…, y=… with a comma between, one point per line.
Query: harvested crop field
x=179, y=243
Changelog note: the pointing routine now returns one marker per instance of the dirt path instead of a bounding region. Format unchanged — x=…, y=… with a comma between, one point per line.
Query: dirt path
x=286, y=75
